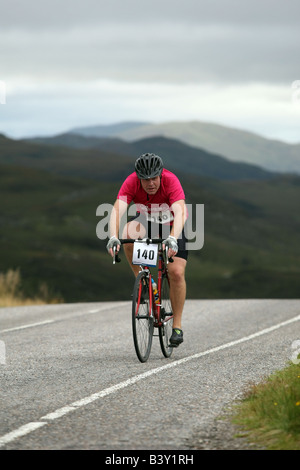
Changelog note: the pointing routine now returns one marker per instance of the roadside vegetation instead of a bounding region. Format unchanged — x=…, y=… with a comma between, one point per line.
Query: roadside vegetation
x=269, y=413
x=11, y=294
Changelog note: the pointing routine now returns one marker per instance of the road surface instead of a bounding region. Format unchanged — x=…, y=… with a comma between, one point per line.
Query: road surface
x=70, y=378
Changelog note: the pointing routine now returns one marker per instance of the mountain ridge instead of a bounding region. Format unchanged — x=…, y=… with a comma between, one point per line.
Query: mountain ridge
x=232, y=143
x=176, y=155
x=106, y=130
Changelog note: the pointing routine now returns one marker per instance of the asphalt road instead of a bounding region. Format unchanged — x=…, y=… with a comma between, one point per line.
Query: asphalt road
x=70, y=378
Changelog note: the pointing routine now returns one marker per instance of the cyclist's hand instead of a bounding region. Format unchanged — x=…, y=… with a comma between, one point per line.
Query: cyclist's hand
x=113, y=242
x=171, y=245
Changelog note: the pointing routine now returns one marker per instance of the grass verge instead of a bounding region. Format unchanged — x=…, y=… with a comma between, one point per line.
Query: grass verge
x=11, y=294
x=269, y=413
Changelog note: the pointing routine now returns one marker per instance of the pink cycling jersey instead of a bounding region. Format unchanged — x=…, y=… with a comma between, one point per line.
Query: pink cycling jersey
x=170, y=191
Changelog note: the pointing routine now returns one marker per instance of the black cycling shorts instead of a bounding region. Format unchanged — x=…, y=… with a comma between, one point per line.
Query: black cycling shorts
x=155, y=230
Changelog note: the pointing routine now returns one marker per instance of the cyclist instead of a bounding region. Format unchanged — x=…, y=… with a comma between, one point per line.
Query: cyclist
x=160, y=202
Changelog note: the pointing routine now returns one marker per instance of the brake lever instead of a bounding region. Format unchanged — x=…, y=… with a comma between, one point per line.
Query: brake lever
x=168, y=260
x=116, y=258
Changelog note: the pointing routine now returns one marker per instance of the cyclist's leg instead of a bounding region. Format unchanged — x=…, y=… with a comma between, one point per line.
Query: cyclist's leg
x=177, y=280
x=133, y=229
x=177, y=288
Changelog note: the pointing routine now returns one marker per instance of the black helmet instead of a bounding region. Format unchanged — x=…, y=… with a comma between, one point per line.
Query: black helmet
x=148, y=166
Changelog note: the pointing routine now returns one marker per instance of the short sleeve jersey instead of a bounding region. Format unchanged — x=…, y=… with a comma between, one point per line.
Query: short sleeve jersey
x=170, y=191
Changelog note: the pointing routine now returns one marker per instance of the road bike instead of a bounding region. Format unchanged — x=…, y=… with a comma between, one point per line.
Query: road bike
x=151, y=305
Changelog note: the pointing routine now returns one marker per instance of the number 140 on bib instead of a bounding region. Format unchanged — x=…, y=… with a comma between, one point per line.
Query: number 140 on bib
x=145, y=255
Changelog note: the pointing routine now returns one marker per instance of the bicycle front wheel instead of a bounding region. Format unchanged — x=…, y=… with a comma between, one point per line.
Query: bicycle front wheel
x=142, y=320
x=166, y=314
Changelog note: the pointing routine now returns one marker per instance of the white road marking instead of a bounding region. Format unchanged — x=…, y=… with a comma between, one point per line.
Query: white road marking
x=29, y=325
x=30, y=427
x=64, y=316
x=22, y=431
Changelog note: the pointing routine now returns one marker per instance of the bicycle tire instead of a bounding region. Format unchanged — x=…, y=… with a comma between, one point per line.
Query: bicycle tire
x=142, y=320
x=165, y=331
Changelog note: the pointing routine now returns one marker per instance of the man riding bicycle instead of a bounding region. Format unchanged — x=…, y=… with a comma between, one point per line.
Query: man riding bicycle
x=160, y=202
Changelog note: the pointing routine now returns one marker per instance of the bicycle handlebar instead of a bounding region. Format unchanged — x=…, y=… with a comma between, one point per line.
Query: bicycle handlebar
x=142, y=240
x=123, y=241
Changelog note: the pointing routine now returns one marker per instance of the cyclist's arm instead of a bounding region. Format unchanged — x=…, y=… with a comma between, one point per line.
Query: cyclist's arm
x=179, y=210
x=119, y=209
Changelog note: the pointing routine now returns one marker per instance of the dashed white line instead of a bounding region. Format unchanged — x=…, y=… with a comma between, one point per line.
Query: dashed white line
x=60, y=412
x=64, y=317
x=29, y=325
x=22, y=431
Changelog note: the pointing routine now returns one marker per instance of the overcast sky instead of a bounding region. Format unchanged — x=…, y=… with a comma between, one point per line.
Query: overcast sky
x=70, y=63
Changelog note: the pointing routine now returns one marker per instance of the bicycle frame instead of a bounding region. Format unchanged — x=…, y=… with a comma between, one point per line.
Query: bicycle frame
x=155, y=307
x=147, y=312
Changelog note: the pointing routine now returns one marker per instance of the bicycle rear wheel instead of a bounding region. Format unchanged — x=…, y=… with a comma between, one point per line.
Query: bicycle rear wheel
x=142, y=321
x=166, y=314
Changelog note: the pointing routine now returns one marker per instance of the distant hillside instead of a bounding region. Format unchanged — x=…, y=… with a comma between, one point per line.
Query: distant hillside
x=107, y=130
x=48, y=221
x=236, y=145
x=191, y=160
x=48, y=230
x=177, y=156
x=86, y=162
x=78, y=141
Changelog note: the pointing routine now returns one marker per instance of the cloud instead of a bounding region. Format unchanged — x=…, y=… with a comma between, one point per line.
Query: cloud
x=48, y=108
x=176, y=53
x=86, y=62
x=64, y=14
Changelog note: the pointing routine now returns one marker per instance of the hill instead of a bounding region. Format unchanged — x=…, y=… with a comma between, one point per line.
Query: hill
x=234, y=144
x=48, y=230
x=86, y=162
x=107, y=130
x=176, y=155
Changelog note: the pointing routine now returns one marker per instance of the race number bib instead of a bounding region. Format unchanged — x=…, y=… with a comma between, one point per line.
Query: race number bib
x=160, y=218
x=144, y=255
